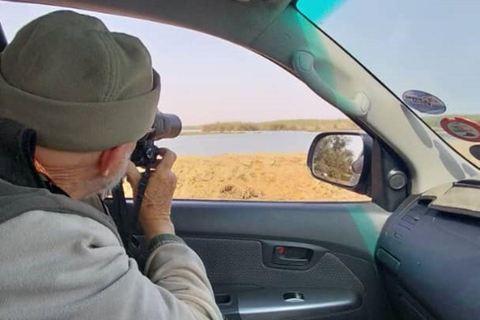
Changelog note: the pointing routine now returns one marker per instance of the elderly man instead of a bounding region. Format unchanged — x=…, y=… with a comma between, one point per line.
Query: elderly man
x=74, y=98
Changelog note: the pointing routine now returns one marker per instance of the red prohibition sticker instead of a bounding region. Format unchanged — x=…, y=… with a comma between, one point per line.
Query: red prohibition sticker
x=462, y=128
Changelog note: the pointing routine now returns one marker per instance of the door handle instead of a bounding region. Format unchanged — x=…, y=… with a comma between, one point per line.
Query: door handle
x=290, y=261
x=291, y=256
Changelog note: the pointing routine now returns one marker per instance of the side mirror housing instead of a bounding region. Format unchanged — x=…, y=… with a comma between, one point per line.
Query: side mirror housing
x=342, y=159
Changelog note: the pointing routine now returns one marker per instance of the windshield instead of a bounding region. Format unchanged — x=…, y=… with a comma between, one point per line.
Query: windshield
x=425, y=51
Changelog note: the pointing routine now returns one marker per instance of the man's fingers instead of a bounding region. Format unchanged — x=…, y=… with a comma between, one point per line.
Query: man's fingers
x=133, y=175
x=168, y=158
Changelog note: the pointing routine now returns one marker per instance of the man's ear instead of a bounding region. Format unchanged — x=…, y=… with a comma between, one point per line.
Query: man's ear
x=109, y=158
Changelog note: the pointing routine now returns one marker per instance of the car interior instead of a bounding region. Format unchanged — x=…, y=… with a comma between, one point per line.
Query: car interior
x=413, y=252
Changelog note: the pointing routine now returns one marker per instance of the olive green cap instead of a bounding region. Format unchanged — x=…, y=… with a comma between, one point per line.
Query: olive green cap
x=80, y=86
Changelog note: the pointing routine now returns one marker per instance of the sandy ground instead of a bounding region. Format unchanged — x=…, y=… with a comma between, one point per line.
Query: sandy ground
x=254, y=177
x=258, y=177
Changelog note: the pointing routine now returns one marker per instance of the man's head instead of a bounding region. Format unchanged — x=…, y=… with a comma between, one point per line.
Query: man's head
x=84, y=89
x=85, y=173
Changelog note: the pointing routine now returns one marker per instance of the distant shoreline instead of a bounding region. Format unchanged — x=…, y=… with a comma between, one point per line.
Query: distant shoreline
x=203, y=133
x=310, y=125
x=279, y=125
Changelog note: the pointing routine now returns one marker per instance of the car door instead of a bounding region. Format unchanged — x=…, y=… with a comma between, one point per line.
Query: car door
x=283, y=256
x=282, y=259
x=294, y=259
x=288, y=260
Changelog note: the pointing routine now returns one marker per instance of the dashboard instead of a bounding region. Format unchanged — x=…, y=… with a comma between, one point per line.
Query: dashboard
x=430, y=263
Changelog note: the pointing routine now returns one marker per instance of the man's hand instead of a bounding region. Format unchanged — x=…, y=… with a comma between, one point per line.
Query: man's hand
x=156, y=205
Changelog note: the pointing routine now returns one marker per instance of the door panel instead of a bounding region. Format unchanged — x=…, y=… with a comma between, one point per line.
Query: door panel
x=240, y=262
x=349, y=228
x=332, y=276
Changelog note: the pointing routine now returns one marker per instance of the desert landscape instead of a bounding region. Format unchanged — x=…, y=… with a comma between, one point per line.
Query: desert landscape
x=259, y=176
x=253, y=177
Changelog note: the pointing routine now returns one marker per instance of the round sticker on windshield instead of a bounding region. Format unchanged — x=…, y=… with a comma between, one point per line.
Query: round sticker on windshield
x=424, y=102
x=475, y=151
x=462, y=128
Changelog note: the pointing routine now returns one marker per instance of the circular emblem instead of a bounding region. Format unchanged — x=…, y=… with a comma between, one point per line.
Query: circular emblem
x=424, y=102
x=461, y=128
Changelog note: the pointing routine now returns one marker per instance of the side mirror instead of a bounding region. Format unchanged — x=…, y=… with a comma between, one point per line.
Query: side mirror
x=342, y=159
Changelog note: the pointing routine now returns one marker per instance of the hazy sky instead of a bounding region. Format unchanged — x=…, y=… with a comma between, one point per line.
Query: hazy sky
x=204, y=79
x=429, y=45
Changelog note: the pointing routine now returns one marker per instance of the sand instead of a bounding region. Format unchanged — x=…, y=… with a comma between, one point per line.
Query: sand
x=253, y=177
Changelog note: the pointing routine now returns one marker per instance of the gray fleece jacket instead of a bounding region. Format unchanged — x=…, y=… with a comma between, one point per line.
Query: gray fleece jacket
x=63, y=259
x=66, y=266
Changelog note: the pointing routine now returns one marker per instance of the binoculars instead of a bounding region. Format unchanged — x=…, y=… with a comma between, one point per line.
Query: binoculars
x=165, y=126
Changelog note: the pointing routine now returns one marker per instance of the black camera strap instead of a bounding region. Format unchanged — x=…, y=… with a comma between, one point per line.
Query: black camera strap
x=119, y=212
x=142, y=187
x=135, y=247
x=145, y=155
x=128, y=222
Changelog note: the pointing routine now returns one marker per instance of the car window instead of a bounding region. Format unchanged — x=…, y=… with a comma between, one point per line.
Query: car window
x=424, y=51
x=248, y=124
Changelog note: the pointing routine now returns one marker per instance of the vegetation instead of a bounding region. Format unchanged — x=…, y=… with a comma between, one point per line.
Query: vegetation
x=303, y=125
x=434, y=121
x=192, y=128
x=333, y=159
x=282, y=125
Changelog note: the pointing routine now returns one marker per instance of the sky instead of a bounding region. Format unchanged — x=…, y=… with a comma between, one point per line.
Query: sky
x=428, y=45
x=204, y=79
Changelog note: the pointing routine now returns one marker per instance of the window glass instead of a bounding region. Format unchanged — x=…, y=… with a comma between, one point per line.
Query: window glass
x=248, y=124
x=425, y=51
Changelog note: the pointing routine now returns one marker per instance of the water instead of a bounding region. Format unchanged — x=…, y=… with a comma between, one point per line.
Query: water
x=250, y=142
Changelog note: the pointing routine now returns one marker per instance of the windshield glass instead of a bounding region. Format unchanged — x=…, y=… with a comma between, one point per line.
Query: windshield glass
x=427, y=52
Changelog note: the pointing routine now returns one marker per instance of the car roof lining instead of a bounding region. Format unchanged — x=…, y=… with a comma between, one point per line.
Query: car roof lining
x=239, y=22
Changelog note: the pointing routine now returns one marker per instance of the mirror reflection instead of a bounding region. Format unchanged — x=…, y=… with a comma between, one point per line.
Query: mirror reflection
x=339, y=158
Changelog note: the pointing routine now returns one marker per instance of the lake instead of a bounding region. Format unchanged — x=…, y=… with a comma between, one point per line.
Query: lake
x=249, y=142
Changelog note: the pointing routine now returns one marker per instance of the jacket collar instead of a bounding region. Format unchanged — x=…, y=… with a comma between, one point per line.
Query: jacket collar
x=17, y=150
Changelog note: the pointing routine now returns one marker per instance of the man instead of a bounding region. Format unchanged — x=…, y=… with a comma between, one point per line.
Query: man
x=74, y=98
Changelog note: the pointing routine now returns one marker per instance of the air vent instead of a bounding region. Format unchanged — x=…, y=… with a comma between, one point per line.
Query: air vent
x=425, y=201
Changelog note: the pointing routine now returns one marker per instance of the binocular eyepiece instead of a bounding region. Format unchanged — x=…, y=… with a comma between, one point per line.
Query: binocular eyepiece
x=165, y=126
